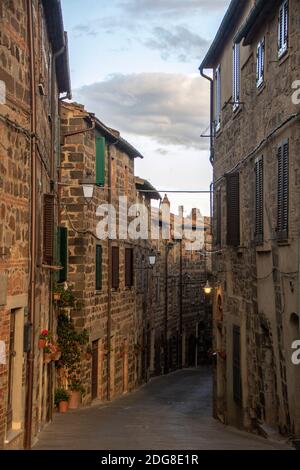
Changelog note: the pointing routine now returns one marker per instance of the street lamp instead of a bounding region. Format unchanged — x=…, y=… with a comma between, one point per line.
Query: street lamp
x=152, y=259
x=207, y=289
x=88, y=189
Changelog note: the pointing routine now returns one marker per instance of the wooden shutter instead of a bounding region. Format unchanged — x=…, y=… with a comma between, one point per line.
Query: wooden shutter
x=219, y=218
x=236, y=363
x=259, y=201
x=98, y=267
x=283, y=191
x=48, y=229
x=233, y=209
x=100, y=161
x=95, y=368
x=62, y=242
x=128, y=267
x=283, y=25
x=115, y=267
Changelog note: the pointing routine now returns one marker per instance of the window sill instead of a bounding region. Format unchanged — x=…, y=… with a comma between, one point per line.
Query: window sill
x=263, y=248
x=283, y=242
x=283, y=57
x=260, y=88
x=236, y=112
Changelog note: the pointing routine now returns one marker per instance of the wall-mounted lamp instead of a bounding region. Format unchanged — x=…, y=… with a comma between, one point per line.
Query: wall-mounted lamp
x=207, y=288
x=152, y=259
x=88, y=189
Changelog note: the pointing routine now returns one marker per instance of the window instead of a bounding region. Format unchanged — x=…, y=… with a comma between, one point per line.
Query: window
x=259, y=200
x=115, y=268
x=283, y=26
x=233, y=209
x=100, y=161
x=98, y=267
x=126, y=180
x=260, y=63
x=283, y=191
x=236, y=363
x=48, y=230
x=62, y=250
x=218, y=98
x=236, y=76
x=129, y=267
x=218, y=237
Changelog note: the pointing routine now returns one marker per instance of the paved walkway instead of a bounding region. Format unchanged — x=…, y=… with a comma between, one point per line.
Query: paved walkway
x=171, y=412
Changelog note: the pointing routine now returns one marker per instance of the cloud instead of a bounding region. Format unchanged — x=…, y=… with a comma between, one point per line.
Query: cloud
x=179, y=42
x=172, y=7
x=171, y=109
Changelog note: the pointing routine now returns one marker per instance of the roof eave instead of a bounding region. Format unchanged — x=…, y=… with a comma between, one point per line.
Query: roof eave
x=228, y=22
x=253, y=20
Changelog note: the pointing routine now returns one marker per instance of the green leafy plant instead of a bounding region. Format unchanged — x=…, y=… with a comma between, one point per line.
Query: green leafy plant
x=76, y=386
x=60, y=395
x=67, y=298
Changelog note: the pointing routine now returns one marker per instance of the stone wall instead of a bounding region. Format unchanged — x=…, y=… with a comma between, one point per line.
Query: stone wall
x=15, y=217
x=255, y=291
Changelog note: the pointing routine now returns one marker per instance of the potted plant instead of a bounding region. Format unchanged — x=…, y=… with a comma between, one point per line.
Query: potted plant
x=77, y=390
x=47, y=355
x=61, y=400
x=64, y=296
x=55, y=352
x=43, y=339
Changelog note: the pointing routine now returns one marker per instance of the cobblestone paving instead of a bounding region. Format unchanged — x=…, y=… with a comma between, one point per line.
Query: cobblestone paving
x=172, y=412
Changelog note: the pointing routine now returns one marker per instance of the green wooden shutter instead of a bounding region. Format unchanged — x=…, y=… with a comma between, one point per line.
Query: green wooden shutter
x=62, y=243
x=98, y=267
x=100, y=161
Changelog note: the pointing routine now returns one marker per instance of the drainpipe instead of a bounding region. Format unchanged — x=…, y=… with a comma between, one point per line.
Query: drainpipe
x=181, y=303
x=109, y=245
x=211, y=158
x=166, y=309
x=31, y=312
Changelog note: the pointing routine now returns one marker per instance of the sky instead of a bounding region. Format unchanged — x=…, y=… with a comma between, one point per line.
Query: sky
x=134, y=63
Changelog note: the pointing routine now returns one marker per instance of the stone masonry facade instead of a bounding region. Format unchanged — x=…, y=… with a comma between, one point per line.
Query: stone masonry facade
x=256, y=303
x=24, y=85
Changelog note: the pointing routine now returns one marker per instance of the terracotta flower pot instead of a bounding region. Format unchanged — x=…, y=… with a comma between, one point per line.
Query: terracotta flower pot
x=47, y=358
x=57, y=296
x=42, y=343
x=75, y=400
x=63, y=406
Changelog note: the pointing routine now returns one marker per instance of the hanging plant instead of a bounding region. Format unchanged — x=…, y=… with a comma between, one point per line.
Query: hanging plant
x=64, y=295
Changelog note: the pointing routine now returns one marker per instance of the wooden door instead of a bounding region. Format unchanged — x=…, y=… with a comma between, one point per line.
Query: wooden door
x=95, y=367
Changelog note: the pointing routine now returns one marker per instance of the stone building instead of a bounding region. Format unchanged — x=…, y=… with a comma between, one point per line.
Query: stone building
x=255, y=60
x=33, y=74
x=133, y=309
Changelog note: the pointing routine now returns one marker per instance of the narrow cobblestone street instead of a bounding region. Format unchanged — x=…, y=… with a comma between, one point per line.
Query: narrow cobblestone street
x=171, y=412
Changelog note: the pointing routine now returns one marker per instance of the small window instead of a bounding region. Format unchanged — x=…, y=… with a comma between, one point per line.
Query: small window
x=98, y=267
x=115, y=281
x=260, y=63
x=129, y=278
x=283, y=27
x=218, y=98
x=236, y=74
x=283, y=191
x=259, y=200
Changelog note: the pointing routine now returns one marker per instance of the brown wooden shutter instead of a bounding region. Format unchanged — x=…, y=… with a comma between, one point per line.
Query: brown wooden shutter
x=259, y=201
x=219, y=218
x=233, y=209
x=48, y=230
x=236, y=363
x=283, y=191
x=128, y=267
x=115, y=267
